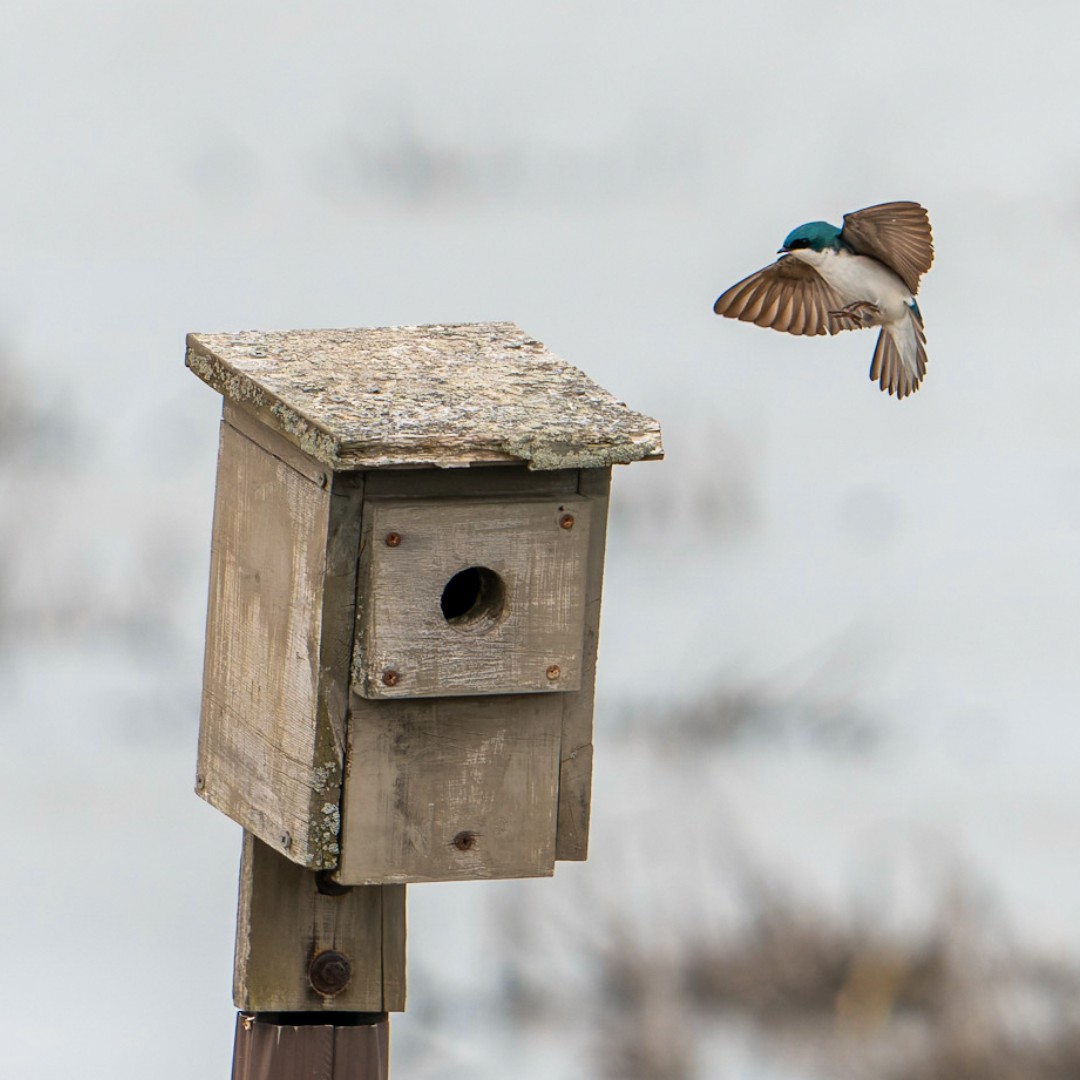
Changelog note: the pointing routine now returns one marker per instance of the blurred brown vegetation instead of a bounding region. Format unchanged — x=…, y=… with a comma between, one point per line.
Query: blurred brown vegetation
x=836, y=999
x=672, y=968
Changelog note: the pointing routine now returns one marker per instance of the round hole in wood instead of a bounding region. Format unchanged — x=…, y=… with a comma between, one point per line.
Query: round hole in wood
x=473, y=599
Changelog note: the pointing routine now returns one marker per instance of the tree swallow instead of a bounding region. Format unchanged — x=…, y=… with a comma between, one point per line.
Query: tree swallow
x=864, y=274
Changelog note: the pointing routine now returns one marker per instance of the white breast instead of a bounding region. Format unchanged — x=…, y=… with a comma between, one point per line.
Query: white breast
x=856, y=277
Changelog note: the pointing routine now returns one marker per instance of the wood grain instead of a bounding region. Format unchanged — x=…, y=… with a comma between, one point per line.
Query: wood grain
x=530, y=640
x=449, y=789
x=246, y=420
x=278, y=645
x=283, y=921
x=576, y=753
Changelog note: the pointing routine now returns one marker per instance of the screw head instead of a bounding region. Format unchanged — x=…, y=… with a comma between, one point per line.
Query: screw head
x=465, y=840
x=390, y=677
x=329, y=972
x=553, y=672
x=566, y=521
x=286, y=839
x=393, y=539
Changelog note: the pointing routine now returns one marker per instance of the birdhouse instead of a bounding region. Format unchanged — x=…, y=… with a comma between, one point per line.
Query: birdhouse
x=405, y=584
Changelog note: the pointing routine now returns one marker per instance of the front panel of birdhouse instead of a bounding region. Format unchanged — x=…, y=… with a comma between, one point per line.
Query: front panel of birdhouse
x=456, y=788
x=461, y=596
x=474, y=644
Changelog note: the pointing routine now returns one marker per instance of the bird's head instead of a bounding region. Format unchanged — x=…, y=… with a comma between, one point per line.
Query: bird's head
x=816, y=235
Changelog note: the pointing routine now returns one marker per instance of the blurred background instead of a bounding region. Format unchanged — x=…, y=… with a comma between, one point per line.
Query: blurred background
x=836, y=803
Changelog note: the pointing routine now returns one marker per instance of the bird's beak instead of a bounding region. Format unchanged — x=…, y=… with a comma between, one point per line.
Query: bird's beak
x=781, y=251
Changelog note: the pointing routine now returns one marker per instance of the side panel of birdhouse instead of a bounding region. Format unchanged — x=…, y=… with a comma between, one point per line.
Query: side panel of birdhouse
x=576, y=753
x=279, y=635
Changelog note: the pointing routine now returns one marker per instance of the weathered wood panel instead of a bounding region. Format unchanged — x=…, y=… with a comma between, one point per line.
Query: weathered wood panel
x=284, y=922
x=394, y=938
x=502, y=481
x=335, y=662
x=575, y=770
x=450, y=396
x=246, y=421
x=519, y=621
x=278, y=646
x=271, y=1048
x=451, y=788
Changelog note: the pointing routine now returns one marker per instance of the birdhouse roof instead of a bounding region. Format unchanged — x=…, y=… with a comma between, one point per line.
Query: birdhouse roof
x=446, y=396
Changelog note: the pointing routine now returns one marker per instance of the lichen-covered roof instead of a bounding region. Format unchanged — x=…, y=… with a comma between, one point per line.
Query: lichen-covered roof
x=447, y=396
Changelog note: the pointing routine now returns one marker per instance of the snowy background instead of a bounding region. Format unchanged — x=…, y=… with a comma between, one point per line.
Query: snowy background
x=892, y=586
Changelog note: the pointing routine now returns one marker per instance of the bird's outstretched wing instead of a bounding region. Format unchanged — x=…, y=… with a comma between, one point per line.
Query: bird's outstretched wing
x=897, y=234
x=789, y=295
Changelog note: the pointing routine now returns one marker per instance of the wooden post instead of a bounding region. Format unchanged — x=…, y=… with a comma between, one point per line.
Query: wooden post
x=318, y=966
x=303, y=942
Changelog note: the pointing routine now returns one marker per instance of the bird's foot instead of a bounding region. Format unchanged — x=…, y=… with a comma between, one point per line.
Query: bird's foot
x=855, y=316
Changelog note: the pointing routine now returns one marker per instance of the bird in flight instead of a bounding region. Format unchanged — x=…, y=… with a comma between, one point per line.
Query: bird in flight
x=829, y=279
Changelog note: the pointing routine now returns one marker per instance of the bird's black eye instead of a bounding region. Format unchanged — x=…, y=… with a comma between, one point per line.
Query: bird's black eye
x=799, y=244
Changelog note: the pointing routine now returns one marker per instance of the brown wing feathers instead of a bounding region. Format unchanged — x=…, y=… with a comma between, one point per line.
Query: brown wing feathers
x=788, y=296
x=897, y=234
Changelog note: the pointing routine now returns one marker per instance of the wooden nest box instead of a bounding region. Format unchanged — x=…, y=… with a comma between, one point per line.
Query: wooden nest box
x=405, y=590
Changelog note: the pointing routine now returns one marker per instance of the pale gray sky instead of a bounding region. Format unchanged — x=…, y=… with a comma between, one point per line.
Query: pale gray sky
x=597, y=173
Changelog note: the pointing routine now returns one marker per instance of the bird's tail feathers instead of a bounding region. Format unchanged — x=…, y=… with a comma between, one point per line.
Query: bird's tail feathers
x=899, y=362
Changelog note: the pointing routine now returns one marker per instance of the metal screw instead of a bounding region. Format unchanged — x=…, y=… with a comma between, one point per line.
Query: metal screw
x=393, y=539
x=553, y=672
x=330, y=972
x=390, y=677
x=323, y=480
x=286, y=839
x=566, y=521
x=465, y=841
